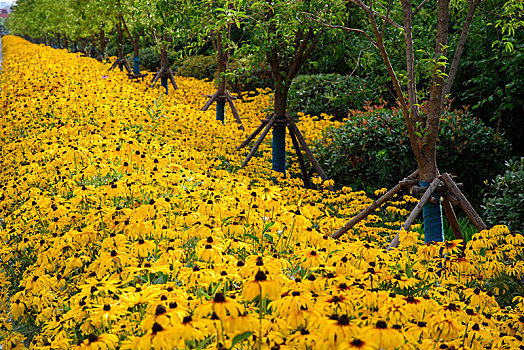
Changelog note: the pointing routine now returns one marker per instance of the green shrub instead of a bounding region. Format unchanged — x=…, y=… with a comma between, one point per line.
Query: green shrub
x=333, y=94
x=504, y=203
x=371, y=150
x=199, y=67
x=247, y=76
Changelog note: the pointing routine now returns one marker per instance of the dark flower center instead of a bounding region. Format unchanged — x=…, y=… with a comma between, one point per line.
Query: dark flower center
x=157, y=328
x=357, y=342
x=160, y=310
x=260, y=276
x=382, y=324
x=219, y=298
x=343, y=320
x=92, y=338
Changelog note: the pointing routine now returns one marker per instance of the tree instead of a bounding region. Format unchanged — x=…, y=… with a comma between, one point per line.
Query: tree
x=133, y=26
x=284, y=38
x=214, y=22
x=168, y=22
x=422, y=123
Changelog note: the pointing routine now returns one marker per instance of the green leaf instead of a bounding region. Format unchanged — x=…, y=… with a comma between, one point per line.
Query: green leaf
x=255, y=238
x=240, y=338
x=268, y=237
x=268, y=226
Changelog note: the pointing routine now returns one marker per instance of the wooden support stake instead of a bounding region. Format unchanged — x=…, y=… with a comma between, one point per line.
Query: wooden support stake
x=463, y=202
x=234, y=111
x=113, y=66
x=452, y=220
x=304, y=145
x=450, y=198
x=210, y=101
x=259, y=141
x=155, y=78
x=416, y=211
x=440, y=189
x=171, y=77
x=373, y=206
x=408, y=181
x=128, y=67
x=254, y=134
x=303, y=169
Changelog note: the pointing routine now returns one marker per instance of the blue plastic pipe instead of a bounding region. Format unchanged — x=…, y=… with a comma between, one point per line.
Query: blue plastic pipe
x=136, y=65
x=279, y=147
x=221, y=110
x=432, y=212
x=163, y=82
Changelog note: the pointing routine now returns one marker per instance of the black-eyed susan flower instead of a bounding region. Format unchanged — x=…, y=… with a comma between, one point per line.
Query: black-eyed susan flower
x=261, y=286
x=100, y=342
x=225, y=308
x=384, y=336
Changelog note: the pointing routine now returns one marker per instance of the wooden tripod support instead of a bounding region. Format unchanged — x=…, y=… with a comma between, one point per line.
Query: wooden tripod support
x=297, y=139
x=450, y=192
x=121, y=61
x=225, y=97
x=164, y=73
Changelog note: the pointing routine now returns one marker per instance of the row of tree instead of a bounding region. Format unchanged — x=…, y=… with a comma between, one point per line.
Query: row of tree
x=283, y=34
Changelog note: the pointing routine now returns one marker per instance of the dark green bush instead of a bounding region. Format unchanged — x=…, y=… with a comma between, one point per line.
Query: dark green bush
x=150, y=59
x=199, y=67
x=371, y=150
x=491, y=79
x=333, y=94
x=504, y=203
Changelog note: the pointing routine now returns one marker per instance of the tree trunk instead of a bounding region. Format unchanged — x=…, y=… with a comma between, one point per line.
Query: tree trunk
x=136, y=53
x=120, y=45
x=92, y=49
x=428, y=170
x=103, y=44
x=279, y=129
x=222, y=63
x=164, y=67
x=135, y=41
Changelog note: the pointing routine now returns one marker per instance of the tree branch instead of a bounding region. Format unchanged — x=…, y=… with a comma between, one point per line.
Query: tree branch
x=386, y=19
x=375, y=13
x=332, y=26
x=460, y=47
x=419, y=7
x=298, y=61
x=394, y=79
x=126, y=27
x=437, y=84
x=410, y=59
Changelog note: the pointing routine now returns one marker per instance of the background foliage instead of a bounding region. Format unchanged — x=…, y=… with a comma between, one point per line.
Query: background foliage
x=371, y=149
x=504, y=202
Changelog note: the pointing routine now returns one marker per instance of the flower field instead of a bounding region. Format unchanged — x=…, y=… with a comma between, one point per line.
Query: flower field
x=126, y=222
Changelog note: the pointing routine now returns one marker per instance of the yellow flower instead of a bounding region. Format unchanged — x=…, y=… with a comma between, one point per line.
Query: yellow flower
x=224, y=308
x=268, y=192
x=100, y=342
x=384, y=337
x=262, y=287
x=443, y=327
